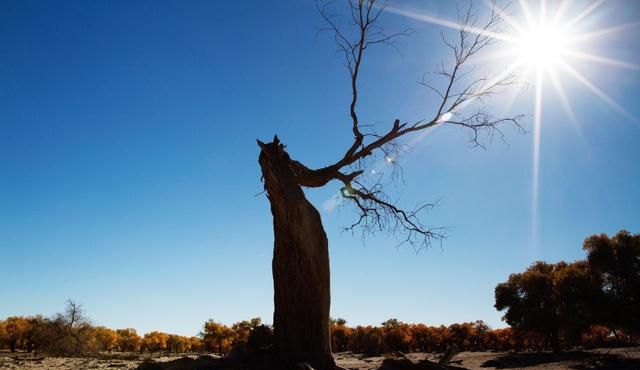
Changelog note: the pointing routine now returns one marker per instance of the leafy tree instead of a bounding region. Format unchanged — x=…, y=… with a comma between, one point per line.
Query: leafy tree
x=107, y=339
x=178, y=343
x=397, y=336
x=71, y=331
x=243, y=328
x=217, y=337
x=368, y=340
x=500, y=339
x=338, y=322
x=578, y=295
x=479, y=338
x=4, y=338
x=38, y=333
x=301, y=257
x=16, y=332
x=195, y=344
x=341, y=335
x=616, y=261
x=154, y=341
x=128, y=340
x=530, y=301
x=549, y=299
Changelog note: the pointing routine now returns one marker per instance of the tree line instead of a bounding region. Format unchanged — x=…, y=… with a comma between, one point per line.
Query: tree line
x=589, y=303
x=71, y=333
x=38, y=334
x=562, y=302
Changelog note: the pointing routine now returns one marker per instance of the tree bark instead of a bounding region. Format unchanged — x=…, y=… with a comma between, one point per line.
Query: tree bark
x=300, y=266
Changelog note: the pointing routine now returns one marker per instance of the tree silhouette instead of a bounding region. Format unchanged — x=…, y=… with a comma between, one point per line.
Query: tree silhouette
x=616, y=261
x=301, y=258
x=555, y=300
x=530, y=302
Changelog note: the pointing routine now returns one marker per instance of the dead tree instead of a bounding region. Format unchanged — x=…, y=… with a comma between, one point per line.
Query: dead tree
x=301, y=257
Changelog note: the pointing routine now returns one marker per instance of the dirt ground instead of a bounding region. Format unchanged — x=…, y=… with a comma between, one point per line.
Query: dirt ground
x=599, y=359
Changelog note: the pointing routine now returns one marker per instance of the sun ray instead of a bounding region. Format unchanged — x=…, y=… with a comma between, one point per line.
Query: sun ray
x=567, y=107
x=527, y=13
x=492, y=57
x=543, y=13
x=449, y=24
x=602, y=60
x=511, y=98
x=536, y=156
x=563, y=97
x=602, y=32
x=542, y=42
x=562, y=8
x=601, y=94
x=590, y=9
x=490, y=84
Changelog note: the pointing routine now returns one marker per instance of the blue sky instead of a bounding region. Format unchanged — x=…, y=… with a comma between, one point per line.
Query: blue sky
x=129, y=178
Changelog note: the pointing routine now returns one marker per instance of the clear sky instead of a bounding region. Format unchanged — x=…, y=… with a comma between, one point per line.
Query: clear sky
x=129, y=178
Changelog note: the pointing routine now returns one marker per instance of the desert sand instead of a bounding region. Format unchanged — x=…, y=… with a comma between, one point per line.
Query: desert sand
x=618, y=358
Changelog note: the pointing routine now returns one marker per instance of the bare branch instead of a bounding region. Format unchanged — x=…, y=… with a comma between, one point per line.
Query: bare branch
x=364, y=16
x=376, y=210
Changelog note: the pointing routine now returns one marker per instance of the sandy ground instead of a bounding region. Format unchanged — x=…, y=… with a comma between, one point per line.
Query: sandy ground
x=618, y=359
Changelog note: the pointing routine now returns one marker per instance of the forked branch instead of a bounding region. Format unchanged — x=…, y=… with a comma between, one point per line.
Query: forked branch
x=377, y=211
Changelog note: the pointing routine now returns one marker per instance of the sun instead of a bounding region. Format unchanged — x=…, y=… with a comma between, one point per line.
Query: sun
x=543, y=42
x=541, y=46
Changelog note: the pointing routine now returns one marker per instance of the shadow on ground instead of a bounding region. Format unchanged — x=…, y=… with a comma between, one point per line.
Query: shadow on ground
x=582, y=360
x=606, y=362
x=516, y=360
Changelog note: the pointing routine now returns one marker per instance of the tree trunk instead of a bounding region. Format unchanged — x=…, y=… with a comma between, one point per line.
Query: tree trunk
x=554, y=339
x=300, y=266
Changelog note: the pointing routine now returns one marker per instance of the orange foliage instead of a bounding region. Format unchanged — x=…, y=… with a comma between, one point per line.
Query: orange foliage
x=218, y=337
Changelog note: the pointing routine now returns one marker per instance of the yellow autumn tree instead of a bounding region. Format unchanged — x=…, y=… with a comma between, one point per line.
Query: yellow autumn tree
x=3, y=333
x=178, y=344
x=17, y=328
x=128, y=340
x=154, y=341
x=196, y=344
x=243, y=328
x=106, y=339
x=218, y=337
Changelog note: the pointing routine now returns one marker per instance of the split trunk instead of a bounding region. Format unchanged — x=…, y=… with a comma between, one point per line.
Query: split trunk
x=300, y=266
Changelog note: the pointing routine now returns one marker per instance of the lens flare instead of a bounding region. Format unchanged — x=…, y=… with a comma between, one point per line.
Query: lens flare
x=546, y=44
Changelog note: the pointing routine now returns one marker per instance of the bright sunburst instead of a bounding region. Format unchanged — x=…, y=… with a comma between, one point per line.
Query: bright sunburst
x=542, y=44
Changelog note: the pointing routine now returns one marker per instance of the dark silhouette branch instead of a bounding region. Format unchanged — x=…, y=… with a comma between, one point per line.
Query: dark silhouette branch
x=377, y=211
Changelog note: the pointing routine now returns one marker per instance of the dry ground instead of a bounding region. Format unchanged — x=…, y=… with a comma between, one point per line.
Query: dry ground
x=599, y=359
